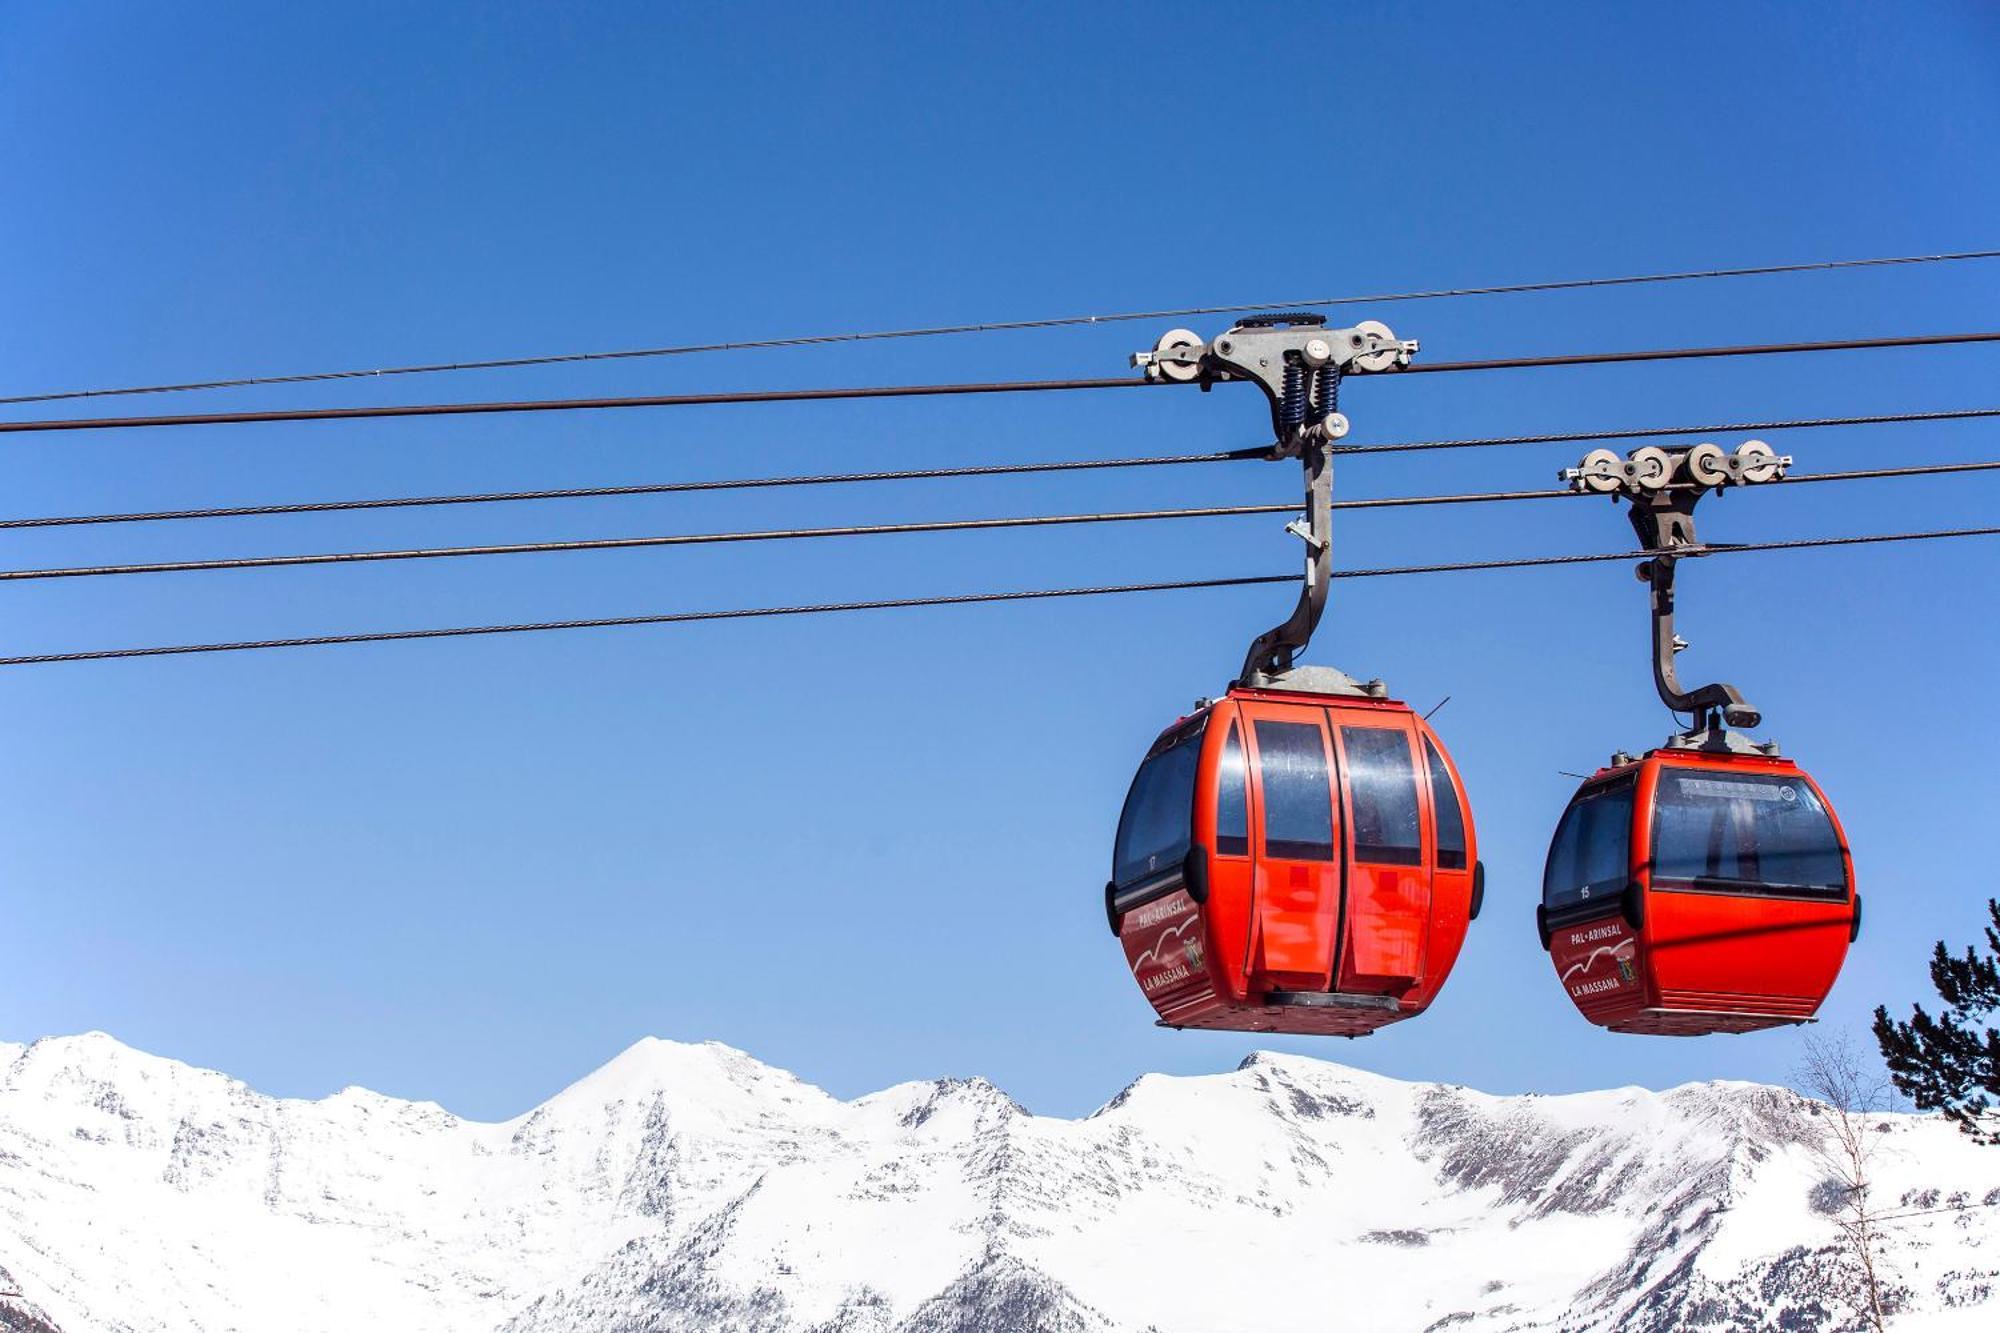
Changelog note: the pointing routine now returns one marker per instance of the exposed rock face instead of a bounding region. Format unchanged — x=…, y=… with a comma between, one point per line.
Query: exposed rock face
x=684, y=1188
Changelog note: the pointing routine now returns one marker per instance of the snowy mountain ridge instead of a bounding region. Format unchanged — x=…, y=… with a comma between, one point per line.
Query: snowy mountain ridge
x=685, y=1187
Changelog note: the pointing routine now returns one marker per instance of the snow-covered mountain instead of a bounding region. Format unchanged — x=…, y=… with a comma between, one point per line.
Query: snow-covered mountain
x=689, y=1187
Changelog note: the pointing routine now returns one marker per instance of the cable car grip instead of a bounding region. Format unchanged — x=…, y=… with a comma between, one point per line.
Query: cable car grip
x=1661, y=488
x=1298, y=362
x=1293, y=357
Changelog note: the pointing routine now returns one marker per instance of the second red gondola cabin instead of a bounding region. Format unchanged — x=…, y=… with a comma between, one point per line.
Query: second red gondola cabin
x=1698, y=890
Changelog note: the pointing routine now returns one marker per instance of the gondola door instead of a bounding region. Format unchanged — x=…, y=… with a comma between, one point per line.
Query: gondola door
x=1231, y=861
x=1388, y=890
x=1297, y=891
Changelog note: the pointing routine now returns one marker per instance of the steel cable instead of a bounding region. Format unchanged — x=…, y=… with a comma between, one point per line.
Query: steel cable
x=934, y=390
x=1695, y=353
x=633, y=543
x=932, y=331
x=573, y=404
x=1966, y=1207
x=787, y=534
x=1569, y=493
x=659, y=488
x=1655, y=432
x=1689, y=552
x=672, y=618
x=963, y=599
x=1018, y=469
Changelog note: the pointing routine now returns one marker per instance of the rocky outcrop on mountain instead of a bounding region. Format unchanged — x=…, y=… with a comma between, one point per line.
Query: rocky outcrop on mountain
x=690, y=1187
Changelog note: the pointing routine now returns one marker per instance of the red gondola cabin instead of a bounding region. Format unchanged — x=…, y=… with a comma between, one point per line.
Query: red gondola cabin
x=1291, y=861
x=1695, y=891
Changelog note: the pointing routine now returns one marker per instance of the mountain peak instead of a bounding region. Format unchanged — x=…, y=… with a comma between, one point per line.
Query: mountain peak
x=706, y=1080
x=90, y=1059
x=965, y=1101
x=92, y=1045
x=1310, y=1066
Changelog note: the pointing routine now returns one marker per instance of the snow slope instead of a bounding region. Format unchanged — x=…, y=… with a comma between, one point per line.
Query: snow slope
x=686, y=1187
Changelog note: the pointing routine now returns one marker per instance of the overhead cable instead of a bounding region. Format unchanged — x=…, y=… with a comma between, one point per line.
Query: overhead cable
x=672, y=618
x=1690, y=552
x=1654, y=432
x=1688, y=353
x=633, y=543
x=933, y=390
x=1874, y=473
x=1570, y=493
x=932, y=331
x=1014, y=469
x=961, y=599
x=698, y=539
x=655, y=488
x=1966, y=1207
x=732, y=398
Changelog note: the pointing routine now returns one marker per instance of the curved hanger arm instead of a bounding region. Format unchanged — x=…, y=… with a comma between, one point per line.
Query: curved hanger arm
x=1664, y=521
x=1703, y=699
x=1272, y=651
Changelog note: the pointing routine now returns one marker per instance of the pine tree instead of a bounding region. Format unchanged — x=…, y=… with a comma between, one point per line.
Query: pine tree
x=1949, y=1063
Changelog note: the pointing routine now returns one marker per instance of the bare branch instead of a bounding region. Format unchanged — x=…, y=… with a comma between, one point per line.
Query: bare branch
x=1849, y=1094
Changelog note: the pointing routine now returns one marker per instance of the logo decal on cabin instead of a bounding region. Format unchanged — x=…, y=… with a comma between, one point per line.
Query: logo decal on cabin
x=1157, y=954
x=1620, y=952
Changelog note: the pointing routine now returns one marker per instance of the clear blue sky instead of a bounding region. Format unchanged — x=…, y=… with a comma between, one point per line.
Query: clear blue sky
x=870, y=848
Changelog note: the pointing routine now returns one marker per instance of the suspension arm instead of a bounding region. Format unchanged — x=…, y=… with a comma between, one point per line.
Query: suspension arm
x=1661, y=488
x=1272, y=651
x=1298, y=363
x=1658, y=573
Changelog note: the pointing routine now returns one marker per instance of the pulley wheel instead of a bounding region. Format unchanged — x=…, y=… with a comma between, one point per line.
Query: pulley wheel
x=1602, y=471
x=1651, y=468
x=1708, y=464
x=1177, y=340
x=1378, y=360
x=1758, y=461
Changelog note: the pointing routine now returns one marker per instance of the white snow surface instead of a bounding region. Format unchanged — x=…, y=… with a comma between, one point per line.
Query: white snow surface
x=686, y=1187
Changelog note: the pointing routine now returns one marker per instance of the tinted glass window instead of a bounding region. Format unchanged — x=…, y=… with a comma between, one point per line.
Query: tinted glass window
x=1232, y=807
x=1592, y=852
x=1153, y=831
x=1755, y=832
x=1383, y=781
x=1450, y=812
x=1298, y=802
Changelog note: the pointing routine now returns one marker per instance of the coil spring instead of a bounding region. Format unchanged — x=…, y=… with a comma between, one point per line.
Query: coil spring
x=1329, y=390
x=1292, y=408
